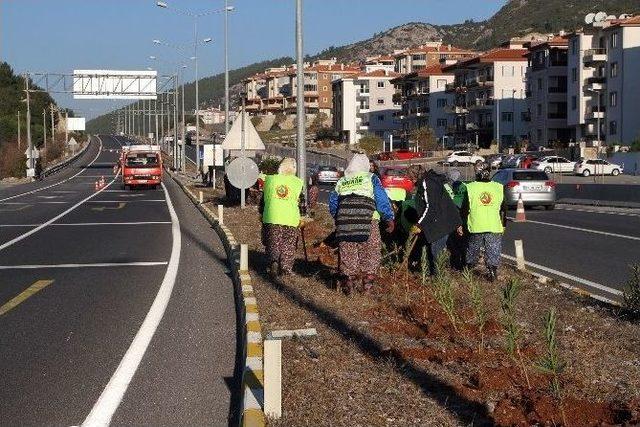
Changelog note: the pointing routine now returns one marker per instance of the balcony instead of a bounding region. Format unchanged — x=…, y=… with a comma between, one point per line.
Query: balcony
x=481, y=103
x=363, y=94
x=596, y=84
x=364, y=109
x=397, y=97
x=595, y=112
x=594, y=56
x=561, y=89
x=457, y=109
x=557, y=115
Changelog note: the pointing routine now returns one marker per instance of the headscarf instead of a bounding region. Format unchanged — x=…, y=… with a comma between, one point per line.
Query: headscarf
x=359, y=164
x=287, y=166
x=483, y=172
x=453, y=175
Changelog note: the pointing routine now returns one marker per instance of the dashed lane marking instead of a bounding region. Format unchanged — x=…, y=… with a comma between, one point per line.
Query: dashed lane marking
x=86, y=265
x=91, y=224
x=22, y=296
x=128, y=201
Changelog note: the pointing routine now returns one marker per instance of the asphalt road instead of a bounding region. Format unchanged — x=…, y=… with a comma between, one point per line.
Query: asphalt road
x=113, y=305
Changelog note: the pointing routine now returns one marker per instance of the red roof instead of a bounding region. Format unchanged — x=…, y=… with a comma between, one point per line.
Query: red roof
x=434, y=70
x=379, y=73
x=630, y=22
x=432, y=49
x=500, y=54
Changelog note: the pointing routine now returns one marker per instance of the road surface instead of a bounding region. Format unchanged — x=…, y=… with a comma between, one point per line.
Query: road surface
x=114, y=304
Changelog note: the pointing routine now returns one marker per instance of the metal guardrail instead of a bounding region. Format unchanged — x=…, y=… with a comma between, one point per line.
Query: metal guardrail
x=63, y=164
x=313, y=157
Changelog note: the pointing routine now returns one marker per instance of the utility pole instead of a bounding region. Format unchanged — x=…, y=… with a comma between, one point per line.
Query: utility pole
x=19, y=136
x=242, y=152
x=66, y=126
x=175, y=122
x=148, y=117
x=44, y=135
x=162, y=118
x=301, y=146
x=53, y=128
x=226, y=67
x=155, y=109
x=29, y=142
x=183, y=151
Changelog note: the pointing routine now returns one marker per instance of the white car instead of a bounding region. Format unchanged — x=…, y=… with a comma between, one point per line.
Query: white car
x=463, y=157
x=551, y=164
x=597, y=167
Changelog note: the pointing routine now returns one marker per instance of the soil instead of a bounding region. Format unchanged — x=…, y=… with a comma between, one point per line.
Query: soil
x=393, y=357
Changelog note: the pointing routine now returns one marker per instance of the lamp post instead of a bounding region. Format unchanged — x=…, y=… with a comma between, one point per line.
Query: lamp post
x=44, y=135
x=301, y=145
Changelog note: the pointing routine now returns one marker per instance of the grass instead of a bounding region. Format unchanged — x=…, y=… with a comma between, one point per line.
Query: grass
x=508, y=299
x=444, y=292
x=476, y=295
x=631, y=295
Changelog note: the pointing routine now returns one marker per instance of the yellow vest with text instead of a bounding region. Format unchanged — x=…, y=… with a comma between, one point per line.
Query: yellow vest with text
x=359, y=184
x=281, y=196
x=485, y=200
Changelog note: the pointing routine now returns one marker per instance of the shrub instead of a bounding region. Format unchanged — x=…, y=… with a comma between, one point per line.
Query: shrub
x=631, y=294
x=256, y=120
x=325, y=133
x=424, y=138
x=318, y=121
x=12, y=160
x=477, y=302
x=550, y=363
x=370, y=144
x=269, y=165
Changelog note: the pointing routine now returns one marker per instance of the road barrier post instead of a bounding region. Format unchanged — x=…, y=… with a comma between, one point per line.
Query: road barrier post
x=244, y=257
x=221, y=214
x=520, y=255
x=200, y=197
x=273, y=378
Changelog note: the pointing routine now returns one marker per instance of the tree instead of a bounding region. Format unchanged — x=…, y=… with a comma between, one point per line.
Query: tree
x=424, y=138
x=370, y=144
x=635, y=145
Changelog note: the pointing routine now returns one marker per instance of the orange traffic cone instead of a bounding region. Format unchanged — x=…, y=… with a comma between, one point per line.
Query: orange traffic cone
x=520, y=216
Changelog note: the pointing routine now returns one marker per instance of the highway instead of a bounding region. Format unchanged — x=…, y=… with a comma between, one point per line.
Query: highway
x=114, y=305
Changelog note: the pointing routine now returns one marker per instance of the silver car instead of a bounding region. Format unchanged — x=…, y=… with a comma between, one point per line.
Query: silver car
x=534, y=186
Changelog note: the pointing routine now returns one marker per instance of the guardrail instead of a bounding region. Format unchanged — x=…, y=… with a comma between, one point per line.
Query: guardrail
x=63, y=164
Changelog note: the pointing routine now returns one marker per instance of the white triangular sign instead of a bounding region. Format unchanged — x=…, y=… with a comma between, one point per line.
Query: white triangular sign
x=252, y=141
x=72, y=141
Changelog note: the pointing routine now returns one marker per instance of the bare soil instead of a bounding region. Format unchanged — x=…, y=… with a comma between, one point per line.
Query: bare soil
x=393, y=358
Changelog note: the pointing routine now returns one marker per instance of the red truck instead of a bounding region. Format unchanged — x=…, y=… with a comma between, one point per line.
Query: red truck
x=141, y=165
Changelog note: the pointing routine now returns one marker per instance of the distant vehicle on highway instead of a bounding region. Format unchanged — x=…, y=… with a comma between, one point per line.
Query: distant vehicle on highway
x=534, y=186
x=551, y=164
x=463, y=157
x=327, y=175
x=396, y=178
x=597, y=167
x=141, y=165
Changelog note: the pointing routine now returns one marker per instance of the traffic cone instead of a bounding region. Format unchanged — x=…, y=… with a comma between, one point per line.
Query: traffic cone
x=97, y=186
x=101, y=181
x=520, y=216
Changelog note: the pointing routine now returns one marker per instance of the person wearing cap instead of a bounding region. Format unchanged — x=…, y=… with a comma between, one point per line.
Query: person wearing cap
x=357, y=204
x=281, y=207
x=456, y=243
x=485, y=212
x=438, y=216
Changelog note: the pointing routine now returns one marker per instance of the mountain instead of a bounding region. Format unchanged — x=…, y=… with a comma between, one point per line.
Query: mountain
x=515, y=18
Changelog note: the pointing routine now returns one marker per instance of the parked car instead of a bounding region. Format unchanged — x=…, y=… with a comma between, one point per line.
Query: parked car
x=597, y=167
x=327, y=175
x=518, y=161
x=534, y=186
x=463, y=157
x=495, y=160
x=384, y=156
x=551, y=164
x=404, y=154
x=396, y=178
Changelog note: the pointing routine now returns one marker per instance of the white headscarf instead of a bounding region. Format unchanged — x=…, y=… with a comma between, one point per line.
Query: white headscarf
x=359, y=163
x=287, y=166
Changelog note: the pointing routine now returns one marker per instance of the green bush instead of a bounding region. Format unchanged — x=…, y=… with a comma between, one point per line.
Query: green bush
x=631, y=295
x=370, y=144
x=269, y=165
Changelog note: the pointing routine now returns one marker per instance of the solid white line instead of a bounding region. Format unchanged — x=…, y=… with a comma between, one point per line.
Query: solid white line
x=605, y=212
x=95, y=264
x=569, y=276
x=35, y=203
x=80, y=224
x=112, y=395
x=58, y=183
x=52, y=220
x=126, y=201
x=586, y=230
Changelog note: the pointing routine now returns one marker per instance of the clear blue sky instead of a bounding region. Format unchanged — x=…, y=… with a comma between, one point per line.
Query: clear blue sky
x=63, y=35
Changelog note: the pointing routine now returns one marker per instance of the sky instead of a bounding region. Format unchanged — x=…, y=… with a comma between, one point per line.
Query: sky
x=62, y=35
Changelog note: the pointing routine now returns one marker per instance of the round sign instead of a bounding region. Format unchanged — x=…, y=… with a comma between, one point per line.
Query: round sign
x=242, y=172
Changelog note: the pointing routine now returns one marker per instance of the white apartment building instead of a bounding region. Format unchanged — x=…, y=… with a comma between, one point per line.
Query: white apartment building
x=212, y=116
x=547, y=92
x=380, y=62
x=363, y=104
x=425, y=101
x=426, y=55
x=604, y=88
x=490, y=92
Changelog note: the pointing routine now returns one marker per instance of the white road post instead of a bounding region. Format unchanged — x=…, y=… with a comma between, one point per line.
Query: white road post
x=273, y=378
x=520, y=255
x=221, y=214
x=244, y=257
x=200, y=197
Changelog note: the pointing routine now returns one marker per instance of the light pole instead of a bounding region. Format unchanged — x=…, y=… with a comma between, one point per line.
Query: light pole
x=195, y=17
x=227, y=9
x=44, y=135
x=301, y=146
x=19, y=136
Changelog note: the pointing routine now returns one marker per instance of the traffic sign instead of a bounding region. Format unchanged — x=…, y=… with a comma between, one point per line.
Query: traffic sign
x=72, y=142
x=242, y=172
x=31, y=173
x=32, y=154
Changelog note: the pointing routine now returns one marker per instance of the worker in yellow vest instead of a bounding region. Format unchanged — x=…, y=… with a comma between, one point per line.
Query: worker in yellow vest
x=485, y=211
x=281, y=210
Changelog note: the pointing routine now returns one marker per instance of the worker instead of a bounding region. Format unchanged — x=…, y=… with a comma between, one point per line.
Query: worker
x=455, y=187
x=456, y=244
x=281, y=207
x=438, y=216
x=485, y=211
x=357, y=204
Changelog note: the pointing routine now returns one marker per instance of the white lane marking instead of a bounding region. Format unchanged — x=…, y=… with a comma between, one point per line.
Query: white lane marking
x=87, y=265
x=586, y=230
x=80, y=224
x=605, y=212
x=126, y=201
x=52, y=220
x=112, y=395
x=61, y=182
x=568, y=276
x=34, y=203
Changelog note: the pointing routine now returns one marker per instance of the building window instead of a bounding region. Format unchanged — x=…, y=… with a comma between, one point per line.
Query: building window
x=441, y=102
x=380, y=84
x=539, y=110
x=613, y=70
x=574, y=102
x=441, y=83
x=613, y=99
x=380, y=101
x=324, y=88
x=574, y=47
x=507, y=117
x=539, y=135
x=614, y=40
x=539, y=84
x=574, y=74
x=381, y=117
x=441, y=123
x=324, y=99
x=613, y=128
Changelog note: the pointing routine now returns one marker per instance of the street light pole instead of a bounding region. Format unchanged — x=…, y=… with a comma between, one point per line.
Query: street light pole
x=183, y=152
x=226, y=67
x=29, y=142
x=53, y=129
x=44, y=135
x=301, y=146
x=19, y=125
x=197, y=109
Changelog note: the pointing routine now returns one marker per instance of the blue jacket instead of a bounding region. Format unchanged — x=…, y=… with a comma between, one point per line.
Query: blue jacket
x=383, y=205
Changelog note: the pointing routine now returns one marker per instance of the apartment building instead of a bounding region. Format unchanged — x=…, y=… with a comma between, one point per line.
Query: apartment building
x=424, y=99
x=255, y=88
x=489, y=97
x=380, y=62
x=603, y=89
x=426, y=55
x=547, y=91
x=318, y=91
x=363, y=104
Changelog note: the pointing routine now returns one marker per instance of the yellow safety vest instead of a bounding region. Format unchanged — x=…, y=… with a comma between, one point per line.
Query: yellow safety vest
x=359, y=184
x=485, y=199
x=281, y=196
